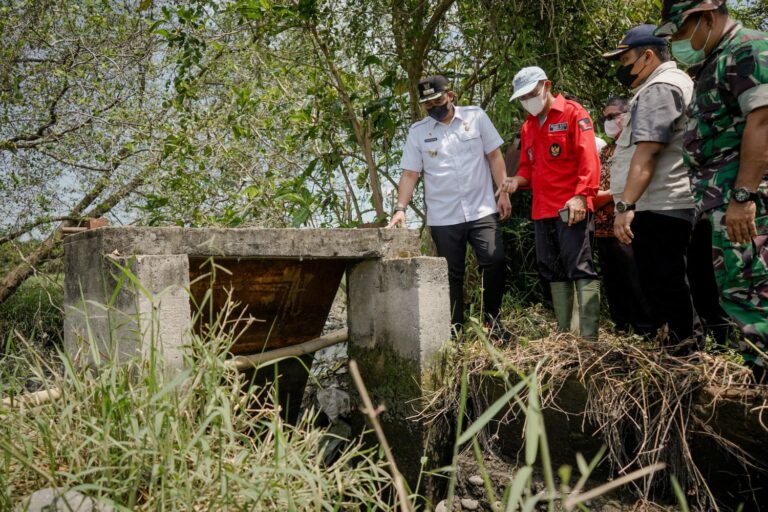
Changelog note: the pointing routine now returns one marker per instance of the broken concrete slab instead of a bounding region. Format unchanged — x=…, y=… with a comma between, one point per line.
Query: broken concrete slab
x=59, y=499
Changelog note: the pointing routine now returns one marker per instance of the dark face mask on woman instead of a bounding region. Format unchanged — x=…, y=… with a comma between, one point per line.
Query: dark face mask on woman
x=439, y=112
x=624, y=74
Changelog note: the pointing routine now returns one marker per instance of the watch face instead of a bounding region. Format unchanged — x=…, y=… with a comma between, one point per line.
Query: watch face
x=741, y=195
x=621, y=207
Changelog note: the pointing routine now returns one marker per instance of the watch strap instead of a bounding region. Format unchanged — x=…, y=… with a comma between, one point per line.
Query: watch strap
x=623, y=206
x=750, y=196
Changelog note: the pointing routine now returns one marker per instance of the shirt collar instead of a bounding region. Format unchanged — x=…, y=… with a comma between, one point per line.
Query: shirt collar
x=664, y=66
x=456, y=115
x=558, y=104
x=724, y=41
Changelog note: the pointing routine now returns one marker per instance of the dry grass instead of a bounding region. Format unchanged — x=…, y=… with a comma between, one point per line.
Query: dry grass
x=639, y=398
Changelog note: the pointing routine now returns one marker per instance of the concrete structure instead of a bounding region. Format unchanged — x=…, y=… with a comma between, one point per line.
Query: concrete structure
x=142, y=291
x=398, y=322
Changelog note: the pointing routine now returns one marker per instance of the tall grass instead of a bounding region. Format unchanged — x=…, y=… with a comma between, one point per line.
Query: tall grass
x=204, y=438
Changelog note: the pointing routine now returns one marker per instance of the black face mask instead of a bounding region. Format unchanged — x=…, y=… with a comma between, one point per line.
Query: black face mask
x=439, y=112
x=624, y=74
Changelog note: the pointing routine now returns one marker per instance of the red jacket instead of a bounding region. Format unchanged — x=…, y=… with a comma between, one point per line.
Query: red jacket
x=559, y=159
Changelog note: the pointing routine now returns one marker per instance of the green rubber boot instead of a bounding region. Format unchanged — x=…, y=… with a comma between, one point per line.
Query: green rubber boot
x=588, y=297
x=562, y=301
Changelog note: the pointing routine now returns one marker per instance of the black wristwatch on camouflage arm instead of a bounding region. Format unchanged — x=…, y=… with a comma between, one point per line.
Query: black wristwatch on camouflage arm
x=743, y=195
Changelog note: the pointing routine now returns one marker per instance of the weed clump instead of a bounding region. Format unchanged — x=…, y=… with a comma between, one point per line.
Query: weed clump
x=644, y=404
x=202, y=439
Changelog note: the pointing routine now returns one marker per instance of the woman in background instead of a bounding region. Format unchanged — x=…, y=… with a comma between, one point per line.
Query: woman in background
x=628, y=309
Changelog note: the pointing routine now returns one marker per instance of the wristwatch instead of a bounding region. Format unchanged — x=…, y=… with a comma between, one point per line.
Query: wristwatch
x=623, y=206
x=400, y=209
x=742, y=195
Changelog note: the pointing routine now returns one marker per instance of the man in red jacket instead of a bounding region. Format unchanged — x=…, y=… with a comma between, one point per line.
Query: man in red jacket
x=559, y=162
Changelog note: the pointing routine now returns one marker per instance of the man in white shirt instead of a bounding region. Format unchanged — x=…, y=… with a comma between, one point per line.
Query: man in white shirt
x=456, y=149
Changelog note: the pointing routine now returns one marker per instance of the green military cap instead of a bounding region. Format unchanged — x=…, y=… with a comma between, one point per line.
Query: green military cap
x=674, y=13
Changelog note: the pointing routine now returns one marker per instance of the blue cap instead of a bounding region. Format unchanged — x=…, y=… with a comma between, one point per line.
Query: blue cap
x=641, y=35
x=526, y=80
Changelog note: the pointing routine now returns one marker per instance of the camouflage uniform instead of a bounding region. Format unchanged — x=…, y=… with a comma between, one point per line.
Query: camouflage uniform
x=730, y=83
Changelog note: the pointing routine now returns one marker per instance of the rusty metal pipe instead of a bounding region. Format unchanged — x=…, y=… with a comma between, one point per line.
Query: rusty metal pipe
x=32, y=399
x=239, y=362
x=308, y=347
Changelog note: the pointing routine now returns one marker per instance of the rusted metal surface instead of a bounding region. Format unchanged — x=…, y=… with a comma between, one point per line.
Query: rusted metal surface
x=290, y=298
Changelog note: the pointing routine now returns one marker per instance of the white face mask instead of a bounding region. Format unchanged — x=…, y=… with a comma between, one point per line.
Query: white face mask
x=534, y=106
x=613, y=127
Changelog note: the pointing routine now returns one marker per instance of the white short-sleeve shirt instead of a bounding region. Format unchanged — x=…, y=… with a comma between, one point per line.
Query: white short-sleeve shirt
x=457, y=178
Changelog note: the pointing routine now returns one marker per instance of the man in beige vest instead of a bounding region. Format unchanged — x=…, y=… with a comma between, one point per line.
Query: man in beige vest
x=649, y=182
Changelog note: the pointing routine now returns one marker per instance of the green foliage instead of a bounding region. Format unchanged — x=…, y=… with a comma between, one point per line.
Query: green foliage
x=35, y=311
x=753, y=13
x=200, y=438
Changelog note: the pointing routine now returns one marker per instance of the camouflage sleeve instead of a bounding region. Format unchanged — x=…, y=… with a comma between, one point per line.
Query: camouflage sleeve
x=748, y=78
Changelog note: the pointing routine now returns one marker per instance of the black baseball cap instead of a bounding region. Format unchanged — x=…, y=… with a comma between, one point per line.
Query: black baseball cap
x=432, y=87
x=641, y=35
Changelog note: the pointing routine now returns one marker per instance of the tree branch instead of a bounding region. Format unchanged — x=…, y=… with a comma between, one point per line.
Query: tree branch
x=40, y=132
x=431, y=27
x=362, y=135
x=16, y=277
x=26, y=228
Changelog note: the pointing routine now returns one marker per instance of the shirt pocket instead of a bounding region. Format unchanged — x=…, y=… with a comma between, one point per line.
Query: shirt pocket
x=558, y=147
x=471, y=139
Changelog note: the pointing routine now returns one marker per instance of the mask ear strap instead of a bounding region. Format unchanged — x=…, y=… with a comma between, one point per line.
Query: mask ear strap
x=709, y=34
x=697, y=28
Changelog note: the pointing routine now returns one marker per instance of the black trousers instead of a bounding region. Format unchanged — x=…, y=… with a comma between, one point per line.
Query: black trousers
x=701, y=277
x=621, y=281
x=661, y=246
x=563, y=252
x=484, y=235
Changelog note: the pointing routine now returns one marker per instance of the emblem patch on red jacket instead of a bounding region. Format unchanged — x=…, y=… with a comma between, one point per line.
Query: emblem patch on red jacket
x=555, y=150
x=585, y=124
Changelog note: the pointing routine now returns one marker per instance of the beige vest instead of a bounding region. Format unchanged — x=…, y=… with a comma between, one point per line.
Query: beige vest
x=670, y=187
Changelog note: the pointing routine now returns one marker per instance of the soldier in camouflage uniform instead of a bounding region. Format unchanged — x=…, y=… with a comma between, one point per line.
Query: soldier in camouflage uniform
x=726, y=148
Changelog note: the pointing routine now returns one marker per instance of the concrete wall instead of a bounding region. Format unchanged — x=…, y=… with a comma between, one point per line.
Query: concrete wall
x=402, y=304
x=122, y=315
x=399, y=322
x=398, y=310
x=123, y=307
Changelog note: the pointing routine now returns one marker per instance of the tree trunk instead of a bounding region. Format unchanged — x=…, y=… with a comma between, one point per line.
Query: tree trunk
x=16, y=277
x=362, y=134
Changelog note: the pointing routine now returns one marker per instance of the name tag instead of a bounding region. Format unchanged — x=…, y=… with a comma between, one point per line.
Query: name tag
x=434, y=139
x=559, y=127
